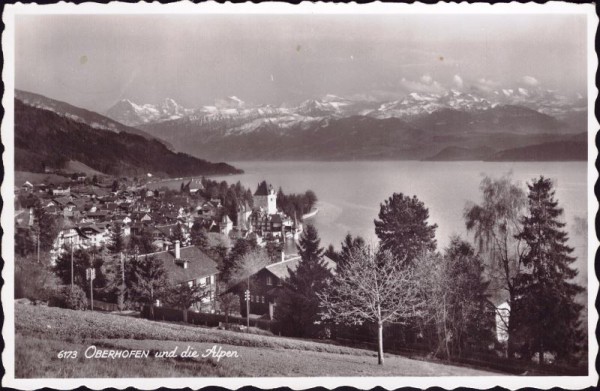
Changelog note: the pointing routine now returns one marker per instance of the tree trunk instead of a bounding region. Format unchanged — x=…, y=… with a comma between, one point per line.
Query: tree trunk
x=152, y=311
x=541, y=353
x=185, y=315
x=380, y=343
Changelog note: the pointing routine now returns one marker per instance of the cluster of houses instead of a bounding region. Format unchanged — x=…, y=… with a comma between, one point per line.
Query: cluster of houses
x=89, y=213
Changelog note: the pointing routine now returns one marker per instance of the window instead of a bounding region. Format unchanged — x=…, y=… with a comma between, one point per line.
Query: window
x=207, y=280
x=269, y=280
x=278, y=282
x=262, y=299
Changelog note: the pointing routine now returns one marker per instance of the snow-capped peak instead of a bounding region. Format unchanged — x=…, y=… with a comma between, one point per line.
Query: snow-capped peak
x=133, y=114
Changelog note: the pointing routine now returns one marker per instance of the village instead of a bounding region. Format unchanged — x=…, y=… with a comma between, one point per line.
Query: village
x=87, y=213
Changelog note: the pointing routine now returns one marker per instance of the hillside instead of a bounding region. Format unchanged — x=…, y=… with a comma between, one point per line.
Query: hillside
x=43, y=137
x=77, y=114
x=42, y=332
x=361, y=137
x=461, y=154
x=553, y=151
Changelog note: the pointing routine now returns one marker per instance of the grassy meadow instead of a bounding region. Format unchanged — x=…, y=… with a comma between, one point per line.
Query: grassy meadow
x=42, y=332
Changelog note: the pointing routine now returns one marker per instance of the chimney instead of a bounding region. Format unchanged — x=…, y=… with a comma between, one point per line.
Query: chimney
x=177, y=250
x=282, y=256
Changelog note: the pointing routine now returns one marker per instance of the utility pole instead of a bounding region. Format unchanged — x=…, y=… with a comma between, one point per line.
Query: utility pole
x=72, y=273
x=123, y=268
x=248, y=306
x=91, y=275
x=38, y=246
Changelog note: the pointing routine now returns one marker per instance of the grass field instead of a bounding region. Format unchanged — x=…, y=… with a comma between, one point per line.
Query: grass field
x=42, y=332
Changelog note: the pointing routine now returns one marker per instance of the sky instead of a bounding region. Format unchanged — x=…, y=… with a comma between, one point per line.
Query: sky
x=92, y=61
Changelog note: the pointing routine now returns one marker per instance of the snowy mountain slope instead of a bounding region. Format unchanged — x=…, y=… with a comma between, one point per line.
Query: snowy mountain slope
x=133, y=114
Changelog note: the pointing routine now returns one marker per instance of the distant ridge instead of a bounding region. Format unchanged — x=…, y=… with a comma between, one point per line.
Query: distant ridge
x=552, y=151
x=45, y=138
x=78, y=114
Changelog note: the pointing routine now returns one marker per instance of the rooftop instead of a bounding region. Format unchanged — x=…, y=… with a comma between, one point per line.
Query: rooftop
x=199, y=264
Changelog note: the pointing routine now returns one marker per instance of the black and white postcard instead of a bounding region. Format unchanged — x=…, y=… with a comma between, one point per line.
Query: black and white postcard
x=299, y=195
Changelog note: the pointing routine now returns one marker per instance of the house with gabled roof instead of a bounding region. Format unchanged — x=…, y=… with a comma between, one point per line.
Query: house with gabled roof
x=266, y=285
x=190, y=265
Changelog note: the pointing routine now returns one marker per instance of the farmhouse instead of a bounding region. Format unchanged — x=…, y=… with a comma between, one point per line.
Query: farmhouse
x=190, y=265
x=266, y=286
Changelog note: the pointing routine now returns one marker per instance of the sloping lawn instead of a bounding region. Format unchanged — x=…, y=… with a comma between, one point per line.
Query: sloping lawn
x=42, y=332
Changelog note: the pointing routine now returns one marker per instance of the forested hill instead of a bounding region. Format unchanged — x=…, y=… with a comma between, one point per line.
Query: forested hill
x=44, y=138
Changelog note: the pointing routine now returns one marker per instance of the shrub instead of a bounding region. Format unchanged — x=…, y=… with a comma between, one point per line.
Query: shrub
x=71, y=298
x=33, y=280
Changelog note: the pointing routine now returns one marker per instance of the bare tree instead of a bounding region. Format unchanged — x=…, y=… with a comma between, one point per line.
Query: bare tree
x=372, y=287
x=229, y=303
x=183, y=296
x=249, y=263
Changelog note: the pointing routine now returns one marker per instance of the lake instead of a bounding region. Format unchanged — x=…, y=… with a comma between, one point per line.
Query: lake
x=350, y=192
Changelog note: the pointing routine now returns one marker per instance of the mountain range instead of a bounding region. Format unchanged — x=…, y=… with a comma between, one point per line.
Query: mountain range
x=50, y=133
x=455, y=125
x=469, y=125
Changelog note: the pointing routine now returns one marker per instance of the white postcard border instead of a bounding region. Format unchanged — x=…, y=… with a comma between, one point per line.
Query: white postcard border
x=510, y=382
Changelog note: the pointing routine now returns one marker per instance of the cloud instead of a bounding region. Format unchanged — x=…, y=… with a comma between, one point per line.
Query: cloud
x=486, y=84
x=530, y=80
x=426, y=79
x=458, y=81
x=426, y=84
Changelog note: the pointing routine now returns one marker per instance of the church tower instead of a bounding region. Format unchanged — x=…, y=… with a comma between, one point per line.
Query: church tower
x=271, y=201
x=265, y=198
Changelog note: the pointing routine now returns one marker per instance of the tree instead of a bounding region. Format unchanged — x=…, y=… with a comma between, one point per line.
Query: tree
x=115, y=186
x=544, y=310
x=46, y=228
x=142, y=243
x=183, y=296
x=249, y=263
x=116, y=282
x=116, y=278
x=456, y=302
x=274, y=250
x=178, y=234
x=496, y=225
x=117, y=239
x=371, y=288
x=199, y=237
x=229, y=303
x=348, y=245
x=34, y=281
x=24, y=242
x=311, y=199
x=65, y=297
x=298, y=304
x=402, y=228
x=309, y=245
x=147, y=280
x=82, y=260
x=232, y=261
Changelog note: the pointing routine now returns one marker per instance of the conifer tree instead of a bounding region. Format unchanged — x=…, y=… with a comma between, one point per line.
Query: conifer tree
x=348, y=246
x=298, y=306
x=117, y=239
x=402, y=228
x=545, y=314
